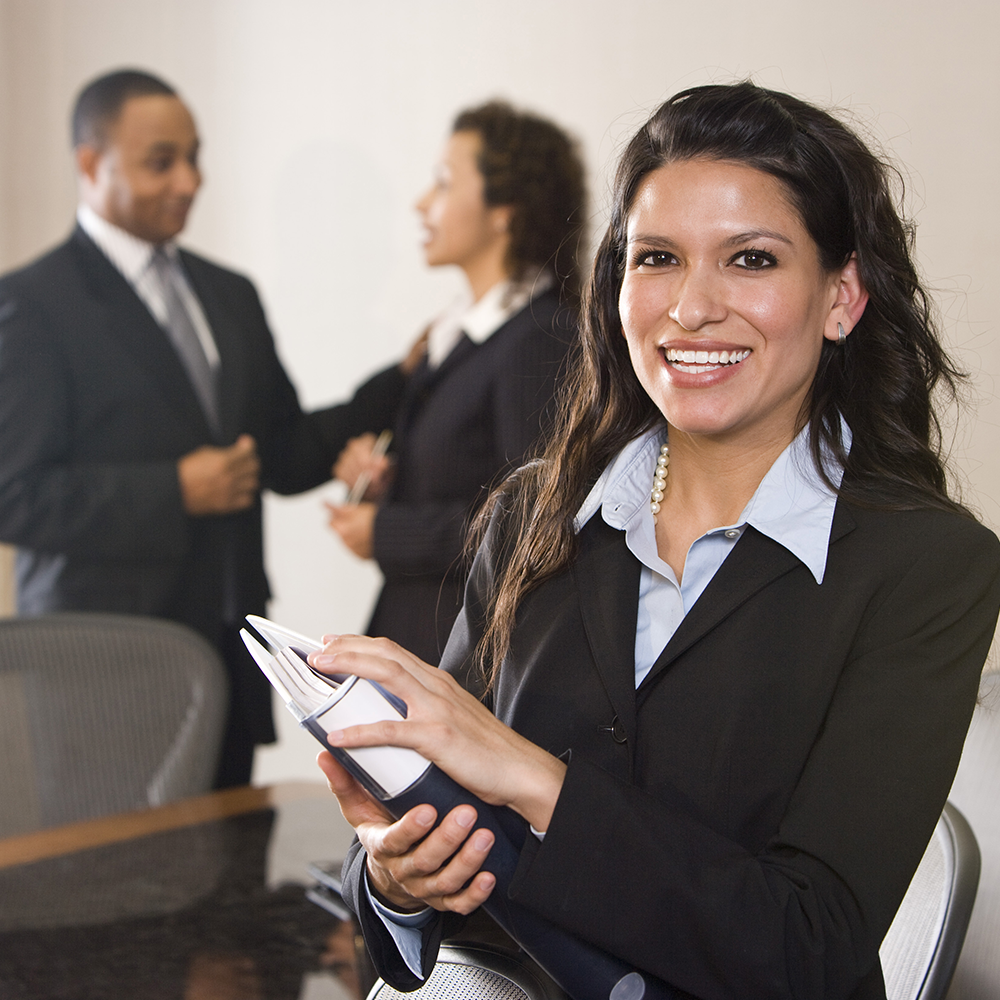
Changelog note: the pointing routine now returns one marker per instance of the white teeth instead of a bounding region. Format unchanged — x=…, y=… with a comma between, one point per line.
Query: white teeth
x=705, y=357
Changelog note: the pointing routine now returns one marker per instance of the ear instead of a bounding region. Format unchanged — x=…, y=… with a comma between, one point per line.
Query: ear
x=849, y=304
x=88, y=159
x=500, y=218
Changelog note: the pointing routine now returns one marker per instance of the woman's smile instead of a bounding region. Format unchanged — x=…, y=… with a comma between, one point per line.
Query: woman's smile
x=696, y=362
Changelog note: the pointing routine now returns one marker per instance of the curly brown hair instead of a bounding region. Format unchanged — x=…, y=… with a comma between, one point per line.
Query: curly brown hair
x=531, y=164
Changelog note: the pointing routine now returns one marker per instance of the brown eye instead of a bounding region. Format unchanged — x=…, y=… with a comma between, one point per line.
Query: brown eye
x=652, y=258
x=754, y=260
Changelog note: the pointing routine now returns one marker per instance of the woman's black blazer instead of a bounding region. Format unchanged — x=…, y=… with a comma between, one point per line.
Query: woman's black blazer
x=460, y=427
x=746, y=823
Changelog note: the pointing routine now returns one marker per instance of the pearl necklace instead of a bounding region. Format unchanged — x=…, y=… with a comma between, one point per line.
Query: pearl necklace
x=659, y=479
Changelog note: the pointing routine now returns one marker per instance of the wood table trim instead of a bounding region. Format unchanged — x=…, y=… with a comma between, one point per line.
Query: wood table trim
x=61, y=840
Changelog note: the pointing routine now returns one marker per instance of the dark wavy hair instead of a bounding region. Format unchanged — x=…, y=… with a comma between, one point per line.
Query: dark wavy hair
x=882, y=380
x=533, y=165
x=101, y=101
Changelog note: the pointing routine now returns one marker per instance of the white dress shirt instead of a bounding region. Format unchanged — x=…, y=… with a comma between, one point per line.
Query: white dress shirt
x=133, y=258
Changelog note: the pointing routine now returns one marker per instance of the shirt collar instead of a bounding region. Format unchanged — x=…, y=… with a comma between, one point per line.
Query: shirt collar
x=130, y=254
x=792, y=505
x=480, y=320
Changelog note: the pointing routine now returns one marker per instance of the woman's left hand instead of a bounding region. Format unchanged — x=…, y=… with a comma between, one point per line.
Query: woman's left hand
x=448, y=726
x=355, y=523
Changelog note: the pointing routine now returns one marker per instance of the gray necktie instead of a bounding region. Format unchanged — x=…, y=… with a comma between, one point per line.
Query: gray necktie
x=180, y=329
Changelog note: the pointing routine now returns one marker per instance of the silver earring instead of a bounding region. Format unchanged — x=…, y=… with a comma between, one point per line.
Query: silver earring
x=841, y=336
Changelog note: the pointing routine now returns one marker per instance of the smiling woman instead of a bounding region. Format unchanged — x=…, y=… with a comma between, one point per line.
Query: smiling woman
x=735, y=711
x=719, y=264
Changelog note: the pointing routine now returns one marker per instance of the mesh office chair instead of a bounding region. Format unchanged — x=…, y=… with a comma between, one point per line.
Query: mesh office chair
x=921, y=949
x=478, y=972
x=101, y=714
x=975, y=792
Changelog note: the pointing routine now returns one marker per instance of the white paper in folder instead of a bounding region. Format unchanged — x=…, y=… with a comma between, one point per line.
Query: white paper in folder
x=323, y=703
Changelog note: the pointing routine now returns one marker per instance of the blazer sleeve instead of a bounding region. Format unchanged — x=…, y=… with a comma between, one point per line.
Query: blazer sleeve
x=372, y=409
x=803, y=916
x=51, y=500
x=302, y=448
x=382, y=949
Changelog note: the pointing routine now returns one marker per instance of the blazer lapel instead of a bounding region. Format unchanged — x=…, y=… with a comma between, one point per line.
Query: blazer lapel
x=139, y=336
x=607, y=582
x=755, y=562
x=422, y=383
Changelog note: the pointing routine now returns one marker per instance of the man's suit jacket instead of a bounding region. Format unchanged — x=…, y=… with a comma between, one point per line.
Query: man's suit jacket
x=746, y=822
x=96, y=409
x=460, y=426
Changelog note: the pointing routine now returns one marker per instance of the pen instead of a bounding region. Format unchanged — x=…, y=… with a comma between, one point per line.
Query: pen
x=361, y=483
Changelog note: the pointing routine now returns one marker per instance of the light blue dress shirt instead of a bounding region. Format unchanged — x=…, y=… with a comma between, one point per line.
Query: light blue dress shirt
x=792, y=506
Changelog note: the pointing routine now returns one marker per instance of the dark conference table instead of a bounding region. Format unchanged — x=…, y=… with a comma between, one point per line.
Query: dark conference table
x=199, y=900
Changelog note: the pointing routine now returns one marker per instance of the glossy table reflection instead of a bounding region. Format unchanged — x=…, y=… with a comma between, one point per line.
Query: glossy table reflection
x=199, y=900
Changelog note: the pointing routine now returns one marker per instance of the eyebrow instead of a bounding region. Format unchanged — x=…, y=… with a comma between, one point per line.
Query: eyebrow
x=756, y=234
x=735, y=240
x=169, y=146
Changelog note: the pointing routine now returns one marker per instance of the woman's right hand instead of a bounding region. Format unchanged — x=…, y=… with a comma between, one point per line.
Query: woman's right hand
x=412, y=864
x=357, y=458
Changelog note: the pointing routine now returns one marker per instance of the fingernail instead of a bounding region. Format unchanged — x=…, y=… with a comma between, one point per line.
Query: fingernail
x=465, y=818
x=424, y=817
x=321, y=660
x=335, y=737
x=482, y=840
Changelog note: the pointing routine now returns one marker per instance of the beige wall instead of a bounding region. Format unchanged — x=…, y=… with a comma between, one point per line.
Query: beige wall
x=321, y=119
x=6, y=580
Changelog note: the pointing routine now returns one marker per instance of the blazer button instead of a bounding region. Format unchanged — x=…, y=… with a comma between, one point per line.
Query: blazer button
x=618, y=733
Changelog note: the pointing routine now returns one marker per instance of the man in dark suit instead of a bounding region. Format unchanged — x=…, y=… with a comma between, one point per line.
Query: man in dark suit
x=143, y=407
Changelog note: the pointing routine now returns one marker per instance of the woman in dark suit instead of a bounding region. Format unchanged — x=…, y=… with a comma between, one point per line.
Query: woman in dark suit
x=506, y=207
x=730, y=628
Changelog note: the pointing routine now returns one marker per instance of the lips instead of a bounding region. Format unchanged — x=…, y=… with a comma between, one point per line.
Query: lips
x=698, y=362
x=706, y=357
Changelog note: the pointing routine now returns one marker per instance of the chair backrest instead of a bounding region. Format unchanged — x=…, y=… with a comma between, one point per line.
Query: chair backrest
x=104, y=713
x=977, y=793
x=478, y=972
x=921, y=949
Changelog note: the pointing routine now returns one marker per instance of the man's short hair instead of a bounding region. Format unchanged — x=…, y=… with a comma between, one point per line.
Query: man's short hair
x=100, y=103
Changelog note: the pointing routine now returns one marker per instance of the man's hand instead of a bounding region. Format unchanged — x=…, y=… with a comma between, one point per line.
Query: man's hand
x=220, y=480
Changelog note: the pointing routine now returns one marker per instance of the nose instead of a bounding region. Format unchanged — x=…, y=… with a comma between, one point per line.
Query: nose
x=696, y=300
x=424, y=201
x=187, y=178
